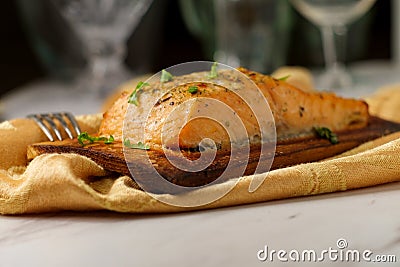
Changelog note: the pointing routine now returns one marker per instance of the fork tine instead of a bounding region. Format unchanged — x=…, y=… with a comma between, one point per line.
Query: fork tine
x=73, y=122
x=63, y=123
x=53, y=126
x=46, y=122
x=42, y=126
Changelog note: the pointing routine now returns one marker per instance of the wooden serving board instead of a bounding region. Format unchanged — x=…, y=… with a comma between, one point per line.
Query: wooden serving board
x=287, y=153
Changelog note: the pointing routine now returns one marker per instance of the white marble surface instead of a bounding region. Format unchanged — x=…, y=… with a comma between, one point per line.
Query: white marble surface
x=367, y=218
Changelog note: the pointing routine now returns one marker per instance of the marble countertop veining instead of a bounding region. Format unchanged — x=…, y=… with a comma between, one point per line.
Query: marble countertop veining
x=367, y=219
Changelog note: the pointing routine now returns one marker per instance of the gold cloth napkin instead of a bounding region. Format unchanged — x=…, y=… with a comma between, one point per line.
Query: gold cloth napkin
x=56, y=182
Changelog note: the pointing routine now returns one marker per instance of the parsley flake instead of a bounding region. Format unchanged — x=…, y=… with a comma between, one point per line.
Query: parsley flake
x=326, y=133
x=85, y=137
x=133, y=97
x=193, y=89
x=139, y=145
x=166, y=76
x=213, y=72
x=284, y=78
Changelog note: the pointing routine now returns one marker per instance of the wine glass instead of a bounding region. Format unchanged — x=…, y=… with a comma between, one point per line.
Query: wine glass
x=332, y=18
x=103, y=26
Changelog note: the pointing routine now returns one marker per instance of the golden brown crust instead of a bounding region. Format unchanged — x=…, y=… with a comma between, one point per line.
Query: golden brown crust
x=113, y=118
x=295, y=112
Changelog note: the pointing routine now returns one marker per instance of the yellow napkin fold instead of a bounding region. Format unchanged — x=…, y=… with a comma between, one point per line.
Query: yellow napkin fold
x=56, y=182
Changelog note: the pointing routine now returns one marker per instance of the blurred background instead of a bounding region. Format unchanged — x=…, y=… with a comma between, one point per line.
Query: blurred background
x=37, y=43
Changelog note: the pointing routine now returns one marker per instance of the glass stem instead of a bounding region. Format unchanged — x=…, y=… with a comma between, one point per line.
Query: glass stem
x=105, y=57
x=340, y=36
x=334, y=47
x=328, y=46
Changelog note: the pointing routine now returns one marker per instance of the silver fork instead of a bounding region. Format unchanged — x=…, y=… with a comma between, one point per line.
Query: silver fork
x=46, y=122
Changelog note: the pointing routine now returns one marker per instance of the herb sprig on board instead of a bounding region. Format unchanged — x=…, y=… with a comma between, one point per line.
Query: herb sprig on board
x=326, y=133
x=84, y=139
x=139, y=145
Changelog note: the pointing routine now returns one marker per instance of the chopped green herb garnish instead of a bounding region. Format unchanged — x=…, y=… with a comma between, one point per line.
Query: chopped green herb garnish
x=213, y=72
x=139, y=145
x=109, y=140
x=193, y=89
x=85, y=137
x=133, y=96
x=165, y=76
x=326, y=133
x=284, y=78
